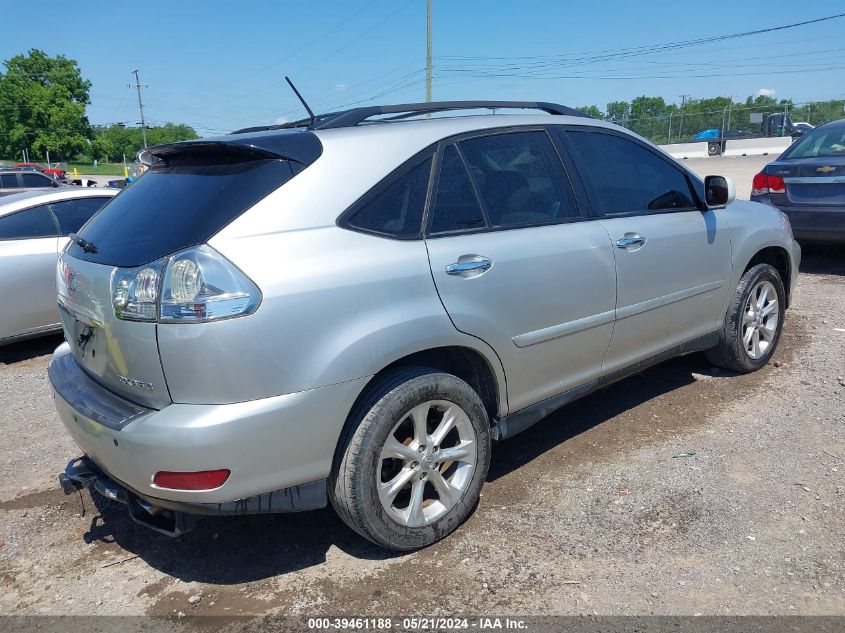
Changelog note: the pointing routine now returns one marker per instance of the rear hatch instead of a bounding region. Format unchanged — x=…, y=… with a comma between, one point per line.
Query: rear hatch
x=191, y=192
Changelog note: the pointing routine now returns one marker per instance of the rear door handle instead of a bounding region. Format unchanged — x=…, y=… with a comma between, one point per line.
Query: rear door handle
x=631, y=239
x=469, y=266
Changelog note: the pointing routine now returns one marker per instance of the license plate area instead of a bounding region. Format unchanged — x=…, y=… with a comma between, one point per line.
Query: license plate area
x=86, y=337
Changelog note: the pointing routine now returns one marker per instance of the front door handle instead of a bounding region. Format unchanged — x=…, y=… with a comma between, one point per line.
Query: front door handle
x=469, y=266
x=631, y=239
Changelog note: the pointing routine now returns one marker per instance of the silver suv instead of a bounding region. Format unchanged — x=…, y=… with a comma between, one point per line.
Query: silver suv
x=350, y=309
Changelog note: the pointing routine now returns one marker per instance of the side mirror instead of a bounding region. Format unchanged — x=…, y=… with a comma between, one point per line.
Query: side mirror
x=719, y=191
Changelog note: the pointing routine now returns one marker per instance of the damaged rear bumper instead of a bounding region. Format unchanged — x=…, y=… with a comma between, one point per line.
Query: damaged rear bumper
x=174, y=518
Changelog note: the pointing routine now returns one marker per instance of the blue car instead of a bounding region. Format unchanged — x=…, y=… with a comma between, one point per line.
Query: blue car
x=807, y=183
x=707, y=135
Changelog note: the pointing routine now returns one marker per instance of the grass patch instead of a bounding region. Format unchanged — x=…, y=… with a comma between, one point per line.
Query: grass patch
x=102, y=169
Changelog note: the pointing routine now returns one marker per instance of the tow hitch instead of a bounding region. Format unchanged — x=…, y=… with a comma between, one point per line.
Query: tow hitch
x=82, y=473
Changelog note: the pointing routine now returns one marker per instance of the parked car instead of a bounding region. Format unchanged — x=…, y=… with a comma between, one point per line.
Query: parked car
x=33, y=229
x=56, y=172
x=807, y=183
x=801, y=127
x=85, y=182
x=16, y=181
x=351, y=313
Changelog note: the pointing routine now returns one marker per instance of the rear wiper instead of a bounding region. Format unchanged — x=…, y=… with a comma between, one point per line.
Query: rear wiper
x=87, y=246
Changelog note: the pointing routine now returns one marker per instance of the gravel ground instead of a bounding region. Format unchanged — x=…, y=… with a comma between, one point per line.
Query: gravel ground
x=681, y=490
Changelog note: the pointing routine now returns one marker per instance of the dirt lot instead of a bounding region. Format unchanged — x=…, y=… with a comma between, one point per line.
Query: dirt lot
x=682, y=490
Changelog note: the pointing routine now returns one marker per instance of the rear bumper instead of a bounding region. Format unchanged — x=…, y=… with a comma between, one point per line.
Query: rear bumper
x=813, y=224
x=279, y=450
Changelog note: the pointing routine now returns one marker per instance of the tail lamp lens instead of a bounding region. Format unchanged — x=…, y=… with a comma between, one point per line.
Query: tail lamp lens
x=764, y=183
x=195, y=285
x=201, y=285
x=200, y=480
x=135, y=292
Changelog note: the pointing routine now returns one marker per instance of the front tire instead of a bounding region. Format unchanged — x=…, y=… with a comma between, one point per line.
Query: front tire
x=753, y=322
x=415, y=458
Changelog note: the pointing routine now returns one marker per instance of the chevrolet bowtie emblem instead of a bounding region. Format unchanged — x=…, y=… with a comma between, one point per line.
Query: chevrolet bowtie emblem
x=826, y=169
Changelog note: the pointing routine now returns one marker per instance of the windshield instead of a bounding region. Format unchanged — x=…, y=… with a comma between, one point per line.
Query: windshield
x=818, y=143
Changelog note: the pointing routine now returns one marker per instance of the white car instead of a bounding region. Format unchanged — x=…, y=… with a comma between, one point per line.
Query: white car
x=34, y=228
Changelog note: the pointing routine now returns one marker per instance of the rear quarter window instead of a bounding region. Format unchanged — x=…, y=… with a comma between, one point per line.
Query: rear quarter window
x=394, y=208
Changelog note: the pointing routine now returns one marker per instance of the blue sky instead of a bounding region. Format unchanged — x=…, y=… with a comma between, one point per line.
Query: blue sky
x=220, y=65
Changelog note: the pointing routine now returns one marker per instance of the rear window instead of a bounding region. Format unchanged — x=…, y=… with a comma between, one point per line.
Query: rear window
x=181, y=203
x=820, y=143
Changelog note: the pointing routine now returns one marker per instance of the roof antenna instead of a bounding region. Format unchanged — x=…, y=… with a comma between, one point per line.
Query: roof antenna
x=310, y=112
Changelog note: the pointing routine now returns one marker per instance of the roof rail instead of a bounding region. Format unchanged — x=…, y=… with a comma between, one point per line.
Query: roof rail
x=351, y=118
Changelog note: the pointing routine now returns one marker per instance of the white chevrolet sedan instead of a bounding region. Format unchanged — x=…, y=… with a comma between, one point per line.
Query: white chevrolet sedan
x=34, y=228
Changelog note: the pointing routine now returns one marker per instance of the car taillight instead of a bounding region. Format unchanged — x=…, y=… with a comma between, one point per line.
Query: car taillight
x=764, y=183
x=200, y=480
x=196, y=285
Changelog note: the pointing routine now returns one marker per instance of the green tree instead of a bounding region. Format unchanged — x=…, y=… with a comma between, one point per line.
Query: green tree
x=592, y=111
x=117, y=141
x=42, y=106
x=618, y=111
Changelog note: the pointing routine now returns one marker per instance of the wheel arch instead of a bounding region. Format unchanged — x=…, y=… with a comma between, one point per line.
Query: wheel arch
x=778, y=258
x=483, y=374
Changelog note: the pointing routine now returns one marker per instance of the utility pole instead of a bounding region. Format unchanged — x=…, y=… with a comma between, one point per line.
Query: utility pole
x=140, y=105
x=681, y=124
x=428, y=55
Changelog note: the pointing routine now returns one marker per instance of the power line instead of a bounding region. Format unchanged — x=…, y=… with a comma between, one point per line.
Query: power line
x=650, y=48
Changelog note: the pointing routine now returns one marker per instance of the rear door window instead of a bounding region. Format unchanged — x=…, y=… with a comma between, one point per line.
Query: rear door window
x=628, y=178
x=28, y=224
x=36, y=180
x=177, y=204
x=72, y=214
x=520, y=179
x=396, y=209
x=455, y=205
x=9, y=181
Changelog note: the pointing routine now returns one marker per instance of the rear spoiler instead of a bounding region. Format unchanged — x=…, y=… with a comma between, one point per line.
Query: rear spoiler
x=294, y=145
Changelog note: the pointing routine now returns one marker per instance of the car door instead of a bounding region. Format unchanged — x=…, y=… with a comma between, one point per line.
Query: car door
x=673, y=256
x=28, y=251
x=517, y=265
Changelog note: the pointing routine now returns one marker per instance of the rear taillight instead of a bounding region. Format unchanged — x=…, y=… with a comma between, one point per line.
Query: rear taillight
x=200, y=480
x=764, y=183
x=195, y=285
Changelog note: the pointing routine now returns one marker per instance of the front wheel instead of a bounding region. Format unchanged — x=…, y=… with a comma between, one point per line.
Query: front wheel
x=753, y=322
x=414, y=460
x=714, y=149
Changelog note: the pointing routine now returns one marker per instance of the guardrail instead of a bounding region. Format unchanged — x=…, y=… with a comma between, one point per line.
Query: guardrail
x=732, y=147
x=686, y=150
x=757, y=146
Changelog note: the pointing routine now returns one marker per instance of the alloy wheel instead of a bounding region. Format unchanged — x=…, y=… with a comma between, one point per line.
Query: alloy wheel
x=760, y=320
x=426, y=463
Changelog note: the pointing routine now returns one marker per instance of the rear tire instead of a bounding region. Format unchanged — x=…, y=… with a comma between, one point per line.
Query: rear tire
x=753, y=322
x=413, y=460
